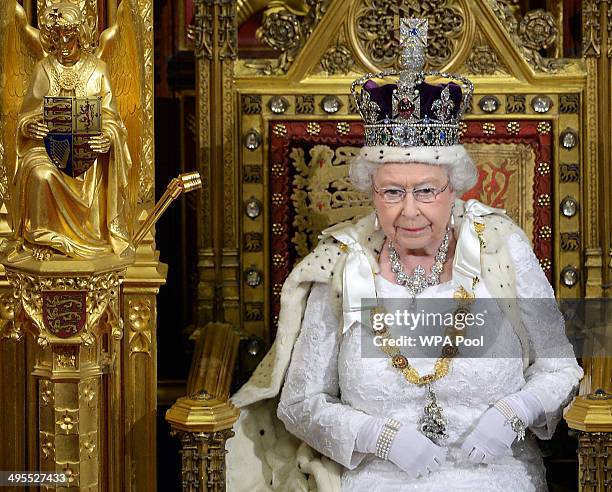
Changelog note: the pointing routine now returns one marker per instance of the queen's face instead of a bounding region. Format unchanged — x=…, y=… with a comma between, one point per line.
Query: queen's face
x=410, y=224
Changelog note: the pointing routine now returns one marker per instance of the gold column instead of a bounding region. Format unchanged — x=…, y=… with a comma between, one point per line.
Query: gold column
x=202, y=34
x=71, y=310
x=605, y=87
x=12, y=384
x=134, y=396
x=593, y=157
x=215, y=38
x=597, y=174
x=591, y=413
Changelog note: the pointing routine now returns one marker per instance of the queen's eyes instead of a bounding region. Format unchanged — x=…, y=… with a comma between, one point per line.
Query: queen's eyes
x=394, y=192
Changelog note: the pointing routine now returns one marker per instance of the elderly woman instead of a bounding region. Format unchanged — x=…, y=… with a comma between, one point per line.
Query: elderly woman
x=396, y=423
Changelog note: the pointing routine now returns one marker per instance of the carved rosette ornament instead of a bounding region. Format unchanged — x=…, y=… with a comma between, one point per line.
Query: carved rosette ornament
x=375, y=21
x=287, y=30
x=337, y=59
x=537, y=29
x=483, y=60
x=280, y=30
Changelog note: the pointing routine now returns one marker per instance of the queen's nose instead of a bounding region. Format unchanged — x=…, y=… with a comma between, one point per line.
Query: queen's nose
x=410, y=207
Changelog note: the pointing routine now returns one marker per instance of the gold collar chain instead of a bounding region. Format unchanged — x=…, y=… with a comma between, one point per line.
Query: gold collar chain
x=433, y=423
x=442, y=364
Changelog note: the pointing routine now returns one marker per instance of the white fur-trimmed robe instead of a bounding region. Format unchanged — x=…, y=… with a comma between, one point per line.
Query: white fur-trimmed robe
x=263, y=455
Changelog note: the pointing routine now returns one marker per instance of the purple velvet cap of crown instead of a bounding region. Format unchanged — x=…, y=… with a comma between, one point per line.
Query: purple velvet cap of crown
x=383, y=94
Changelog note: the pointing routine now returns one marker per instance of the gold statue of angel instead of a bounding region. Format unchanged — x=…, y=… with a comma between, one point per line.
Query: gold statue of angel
x=72, y=193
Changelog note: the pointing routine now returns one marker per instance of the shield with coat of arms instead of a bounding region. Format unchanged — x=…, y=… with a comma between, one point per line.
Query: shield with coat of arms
x=72, y=121
x=64, y=312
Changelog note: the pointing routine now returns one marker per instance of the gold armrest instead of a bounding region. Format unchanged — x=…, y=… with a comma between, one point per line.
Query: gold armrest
x=203, y=419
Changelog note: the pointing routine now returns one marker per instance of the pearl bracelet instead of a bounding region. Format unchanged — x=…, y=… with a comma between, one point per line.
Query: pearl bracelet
x=518, y=425
x=385, y=438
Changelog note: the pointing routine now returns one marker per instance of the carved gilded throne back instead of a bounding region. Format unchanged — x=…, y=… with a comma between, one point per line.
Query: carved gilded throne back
x=532, y=130
x=299, y=127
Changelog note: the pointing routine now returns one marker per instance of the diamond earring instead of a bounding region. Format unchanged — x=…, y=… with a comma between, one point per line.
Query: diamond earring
x=376, y=222
x=452, y=216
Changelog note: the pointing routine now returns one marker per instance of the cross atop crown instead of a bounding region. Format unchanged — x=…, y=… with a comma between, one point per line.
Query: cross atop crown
x=413, y=44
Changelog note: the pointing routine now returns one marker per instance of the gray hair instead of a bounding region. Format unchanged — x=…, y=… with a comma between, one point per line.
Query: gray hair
x=462, y=174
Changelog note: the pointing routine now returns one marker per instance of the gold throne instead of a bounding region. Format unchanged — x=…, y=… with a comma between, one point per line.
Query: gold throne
x=277, y=127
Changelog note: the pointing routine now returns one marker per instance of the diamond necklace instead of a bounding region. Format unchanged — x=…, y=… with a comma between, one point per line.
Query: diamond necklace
x=418, y=281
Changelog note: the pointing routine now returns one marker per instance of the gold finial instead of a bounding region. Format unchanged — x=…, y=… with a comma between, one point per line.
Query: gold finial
x=190, y=181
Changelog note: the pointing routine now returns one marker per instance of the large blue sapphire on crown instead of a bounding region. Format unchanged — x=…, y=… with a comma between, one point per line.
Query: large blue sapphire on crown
x=412, y=112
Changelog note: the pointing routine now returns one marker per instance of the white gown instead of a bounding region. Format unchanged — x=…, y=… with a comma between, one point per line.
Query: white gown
x=330, y=390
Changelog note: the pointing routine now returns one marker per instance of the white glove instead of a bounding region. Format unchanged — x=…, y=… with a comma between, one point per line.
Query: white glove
x=493, y=437
x=414, y=453
x=367, y=436
x=410, y=450
x=527, y=407
x=490, y=439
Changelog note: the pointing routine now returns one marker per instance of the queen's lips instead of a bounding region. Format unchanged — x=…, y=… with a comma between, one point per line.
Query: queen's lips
x=413, y=229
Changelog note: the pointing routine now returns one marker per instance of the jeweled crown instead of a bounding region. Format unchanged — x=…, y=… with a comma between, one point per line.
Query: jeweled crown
x=412, y=112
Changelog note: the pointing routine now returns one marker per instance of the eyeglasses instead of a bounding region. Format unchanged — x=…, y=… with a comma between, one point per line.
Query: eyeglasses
x=393, y=194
